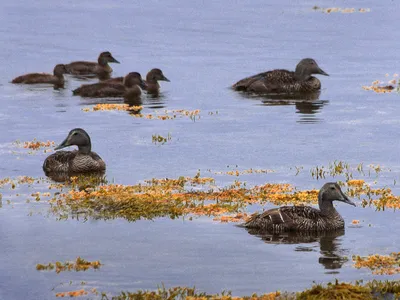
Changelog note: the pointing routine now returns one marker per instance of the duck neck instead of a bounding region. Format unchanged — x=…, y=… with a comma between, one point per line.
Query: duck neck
x=300, y=75
x=102, y=61
x=150, y=79
x=85, y=149
x=326, y=206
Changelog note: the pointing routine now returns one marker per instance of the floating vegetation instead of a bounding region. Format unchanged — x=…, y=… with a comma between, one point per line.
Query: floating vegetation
x=72, y=294
x=172, y=114
x=355, y=222
x=341, y=10
x=240, y=217
x=383, y=87
x=341, y=168
x=185, y=293
x=337, y=290
x=19, y=180
x=173, y=198
x=379, y=264
x=159, y=139
x=36, y=145
x=164, y=115
x=77, y=293
x=245, y=172
x=79, y=265
x=108, y=106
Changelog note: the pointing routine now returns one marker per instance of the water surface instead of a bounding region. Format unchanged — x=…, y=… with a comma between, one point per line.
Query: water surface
x=202, y=48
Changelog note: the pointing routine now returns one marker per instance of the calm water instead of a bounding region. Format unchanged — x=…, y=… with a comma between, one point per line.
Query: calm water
x=202, y=48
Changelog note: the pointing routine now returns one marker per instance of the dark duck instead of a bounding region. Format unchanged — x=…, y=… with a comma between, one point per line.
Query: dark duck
x=83, y=160
x=34, y=78
x=304, y=218
x=284, y=81
x=100, y=68
x=131, y=85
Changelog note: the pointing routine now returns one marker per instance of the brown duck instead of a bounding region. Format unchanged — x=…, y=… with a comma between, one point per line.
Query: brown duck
x=152, y=78
x=284, y=81
x=82, y=160
x=34, y=78
x=92, y=68
x=131, y=86
x=304, y=218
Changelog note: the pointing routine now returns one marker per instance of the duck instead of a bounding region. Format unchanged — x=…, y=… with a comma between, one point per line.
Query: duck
x=152, y=78
x=284, y=81
x=83, y=160
x=131, y=85
x=304, y=218
x=92, y=68
x=33, y=78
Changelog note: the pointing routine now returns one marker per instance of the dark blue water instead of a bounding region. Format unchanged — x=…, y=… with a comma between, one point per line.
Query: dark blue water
x=202, y=48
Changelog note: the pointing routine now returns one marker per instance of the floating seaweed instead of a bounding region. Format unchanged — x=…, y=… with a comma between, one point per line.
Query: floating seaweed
x=341, y=10
x=379, y=264
x=383, y=87
x=79, y=265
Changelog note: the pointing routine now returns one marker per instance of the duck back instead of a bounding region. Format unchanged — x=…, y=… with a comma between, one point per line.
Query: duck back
x=277, y=81
x=87, y=68
x=295, y=218
x=35, y=78
x=101, y=89
x=73, y=162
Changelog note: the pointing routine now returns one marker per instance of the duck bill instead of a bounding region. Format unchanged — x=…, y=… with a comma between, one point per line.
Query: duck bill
x=165, y=79
x=64, y=144
x=347, y=200
x=113, y=60
x=143, y=85
x=322, y=72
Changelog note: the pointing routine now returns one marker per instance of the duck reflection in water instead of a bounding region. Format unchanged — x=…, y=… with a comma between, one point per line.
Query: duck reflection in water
x=307, y=104
x=94, y=178
x=332, y=255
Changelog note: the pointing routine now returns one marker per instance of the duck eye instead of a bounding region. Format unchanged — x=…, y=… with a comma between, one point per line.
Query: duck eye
x=332, y=187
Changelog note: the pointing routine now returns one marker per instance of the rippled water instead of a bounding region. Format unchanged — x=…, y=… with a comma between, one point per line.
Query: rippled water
x=202, y=48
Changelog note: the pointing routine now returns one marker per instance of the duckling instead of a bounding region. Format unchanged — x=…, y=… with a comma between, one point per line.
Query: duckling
x=304, y=218
x=131, y=86
x=92, y=68
x=82, y=160
x=33, y=78
x=284, y=81
x=152, y=78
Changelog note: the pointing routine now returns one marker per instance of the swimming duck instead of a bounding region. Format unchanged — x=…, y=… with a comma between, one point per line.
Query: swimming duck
x=82, y=160
x=33, y=78
x=152, y=78
x=284, y=81
x=304, y=218
x=131, y=85
x=92, y=68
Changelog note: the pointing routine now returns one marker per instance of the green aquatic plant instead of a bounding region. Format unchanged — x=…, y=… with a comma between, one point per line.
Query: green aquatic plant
x=159, y=139
x=78, y=265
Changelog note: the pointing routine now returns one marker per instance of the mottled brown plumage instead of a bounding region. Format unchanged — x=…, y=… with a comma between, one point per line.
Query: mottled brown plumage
x=283, y=81
x=34, y=78
x=100, y=68
x=152, y=78
x=82, y=160
x=130, y=86
x=304, y=218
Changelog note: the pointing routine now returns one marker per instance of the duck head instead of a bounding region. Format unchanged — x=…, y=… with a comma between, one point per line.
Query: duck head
x=78, y=137
x=156, y=75
x=106, y=57
x=59, y=70
x=306, y=67
x=134, y=78
x=330, y=192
